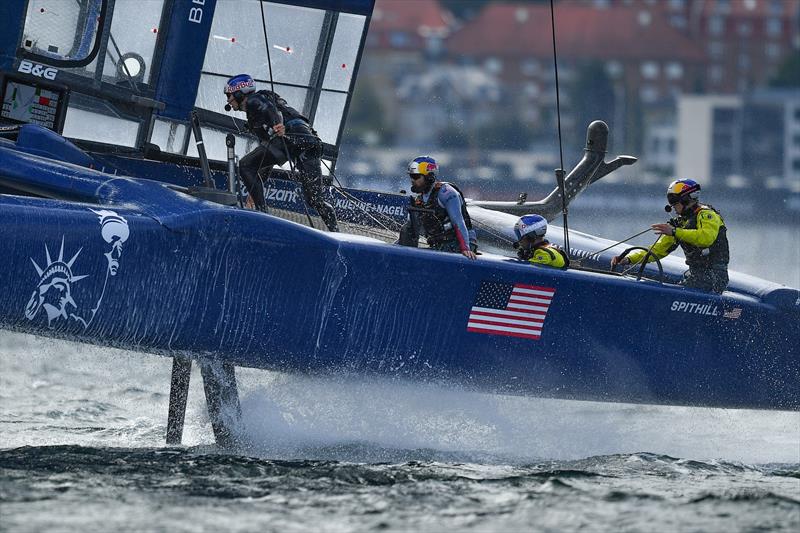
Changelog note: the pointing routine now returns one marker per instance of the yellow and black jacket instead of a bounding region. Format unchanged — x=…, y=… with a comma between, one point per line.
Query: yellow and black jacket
x=703, y=237
x=545, y=254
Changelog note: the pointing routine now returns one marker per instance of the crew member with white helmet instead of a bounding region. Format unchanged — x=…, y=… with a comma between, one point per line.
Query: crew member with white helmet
x=533, y=247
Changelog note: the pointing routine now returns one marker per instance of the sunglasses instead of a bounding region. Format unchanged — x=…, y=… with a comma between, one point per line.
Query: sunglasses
x=415, y=176
x=673, y=199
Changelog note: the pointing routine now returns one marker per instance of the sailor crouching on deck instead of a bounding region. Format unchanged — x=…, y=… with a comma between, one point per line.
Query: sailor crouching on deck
x=284, y=133
x=700, y=231
x=533, y=247
x=438, y=211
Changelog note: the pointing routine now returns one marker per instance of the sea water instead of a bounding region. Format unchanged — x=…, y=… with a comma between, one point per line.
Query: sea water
x=82, y=449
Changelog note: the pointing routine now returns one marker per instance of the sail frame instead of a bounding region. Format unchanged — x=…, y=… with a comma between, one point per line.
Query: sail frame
x=169, y=91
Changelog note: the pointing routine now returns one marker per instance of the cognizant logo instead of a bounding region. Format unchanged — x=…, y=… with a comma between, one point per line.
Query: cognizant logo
x=35, y=69
x=282, y=195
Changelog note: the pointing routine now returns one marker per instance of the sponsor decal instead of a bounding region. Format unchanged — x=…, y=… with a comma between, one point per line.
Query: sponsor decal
x=383, y=209
x=35, y=69
x=55, y=291
x=709, y=309
x=733, y=314
x=282, y=195
x=512, y=310
x=196, y=13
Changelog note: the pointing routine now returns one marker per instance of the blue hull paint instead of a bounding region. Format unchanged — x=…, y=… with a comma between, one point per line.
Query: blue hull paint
x=206, y=281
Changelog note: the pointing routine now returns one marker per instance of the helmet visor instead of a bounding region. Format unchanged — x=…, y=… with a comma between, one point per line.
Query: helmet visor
x=673, y=198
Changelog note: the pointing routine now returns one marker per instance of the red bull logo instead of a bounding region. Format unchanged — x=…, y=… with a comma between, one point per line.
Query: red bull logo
x=426, y=168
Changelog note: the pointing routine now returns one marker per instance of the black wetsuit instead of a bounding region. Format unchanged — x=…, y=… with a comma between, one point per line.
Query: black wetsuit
x=264, y=110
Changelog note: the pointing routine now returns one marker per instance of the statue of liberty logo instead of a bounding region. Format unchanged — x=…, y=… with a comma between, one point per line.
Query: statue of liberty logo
x=54, y=292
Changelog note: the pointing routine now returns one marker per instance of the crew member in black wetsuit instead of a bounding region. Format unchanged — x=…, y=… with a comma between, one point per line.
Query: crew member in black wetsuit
x=282, y=130
x=438, y=211
x=699, y=230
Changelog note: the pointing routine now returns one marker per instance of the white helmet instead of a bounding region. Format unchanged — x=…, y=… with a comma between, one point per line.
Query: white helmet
x=530, y=224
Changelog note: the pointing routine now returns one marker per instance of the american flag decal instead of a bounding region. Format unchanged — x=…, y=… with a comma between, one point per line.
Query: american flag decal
x=513, y=310
x=734, y=313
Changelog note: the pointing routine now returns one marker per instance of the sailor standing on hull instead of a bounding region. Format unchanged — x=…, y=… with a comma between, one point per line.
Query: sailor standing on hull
x=533, y=247
x=438, y=211
x=699, y=230
x=283, y=133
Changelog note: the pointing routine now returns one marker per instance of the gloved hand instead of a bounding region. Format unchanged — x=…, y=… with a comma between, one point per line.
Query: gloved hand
x=617, y=260
x=524, y=253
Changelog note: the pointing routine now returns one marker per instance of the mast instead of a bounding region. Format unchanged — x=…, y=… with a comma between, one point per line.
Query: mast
x=187, y=29
x=559, y=171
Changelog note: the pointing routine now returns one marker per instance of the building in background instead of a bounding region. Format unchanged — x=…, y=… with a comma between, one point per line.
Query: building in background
x=677, y=81
x=745, y=41
x=641, y=57
x=404, y=38
x=741, y=142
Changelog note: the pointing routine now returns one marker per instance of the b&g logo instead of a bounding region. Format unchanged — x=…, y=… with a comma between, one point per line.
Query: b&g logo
x=26, y=67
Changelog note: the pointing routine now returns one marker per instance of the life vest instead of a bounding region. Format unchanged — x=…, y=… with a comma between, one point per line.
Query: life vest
x=551, y=250
x=434, y=219
x=288, y=112
x=266, y=108
x=716, y=255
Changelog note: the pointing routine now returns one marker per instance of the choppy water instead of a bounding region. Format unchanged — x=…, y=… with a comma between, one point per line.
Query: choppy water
x=81, y=449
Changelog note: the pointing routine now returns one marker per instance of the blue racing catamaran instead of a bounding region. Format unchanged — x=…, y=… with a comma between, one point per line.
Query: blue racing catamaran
x=121, y=226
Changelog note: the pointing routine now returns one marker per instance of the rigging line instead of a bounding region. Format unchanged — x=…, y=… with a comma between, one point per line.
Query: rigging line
x=272, y=88
x=644, y=259
x=491, y=231
x=613, y=245
x=341, y=190
x=560, y=171
x=298, y=180
x=266, y=42
x=357, y=203
x=382, y=221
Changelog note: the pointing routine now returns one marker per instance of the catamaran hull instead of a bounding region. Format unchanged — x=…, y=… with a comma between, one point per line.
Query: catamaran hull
x=176, y=276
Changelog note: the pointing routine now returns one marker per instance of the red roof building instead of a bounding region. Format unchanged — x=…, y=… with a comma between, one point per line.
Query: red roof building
x=402, y=35
x=635, y=44
x=408, y=24
x=745, y=41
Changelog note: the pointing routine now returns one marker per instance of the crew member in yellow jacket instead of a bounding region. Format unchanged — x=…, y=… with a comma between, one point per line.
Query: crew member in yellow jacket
x=531, y=245
x=699, y=230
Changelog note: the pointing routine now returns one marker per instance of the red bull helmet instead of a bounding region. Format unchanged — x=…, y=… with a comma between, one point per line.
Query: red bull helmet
x=240, y=85
x=424, y=166
x=682, y=191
